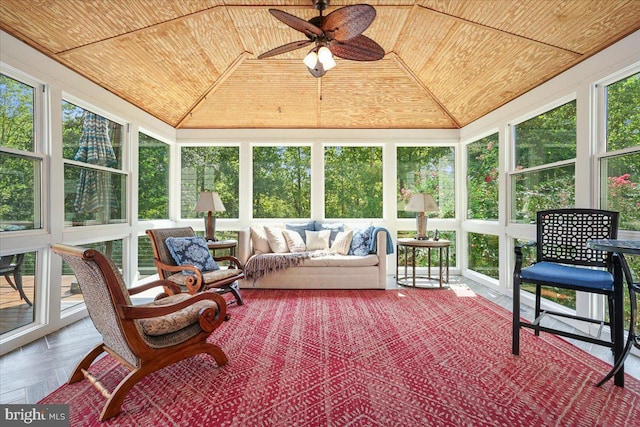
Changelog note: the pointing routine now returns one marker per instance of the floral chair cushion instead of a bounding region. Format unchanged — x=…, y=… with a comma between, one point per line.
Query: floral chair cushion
x=169, y=323
x=191, y=251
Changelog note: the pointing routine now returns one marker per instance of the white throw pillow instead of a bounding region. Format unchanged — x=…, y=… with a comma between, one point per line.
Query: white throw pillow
x=294, y=241
x=318, y=240
x=276, y=239
x=259, y=240
x=342, y=242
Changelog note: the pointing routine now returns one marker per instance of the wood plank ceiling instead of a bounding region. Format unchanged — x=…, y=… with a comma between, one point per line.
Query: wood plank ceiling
x=193, y=63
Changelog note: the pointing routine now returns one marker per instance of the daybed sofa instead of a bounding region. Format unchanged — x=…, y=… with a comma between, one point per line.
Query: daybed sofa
x=351, y=259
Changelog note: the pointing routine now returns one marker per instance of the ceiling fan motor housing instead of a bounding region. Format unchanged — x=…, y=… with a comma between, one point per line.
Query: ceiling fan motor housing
x=321, y=4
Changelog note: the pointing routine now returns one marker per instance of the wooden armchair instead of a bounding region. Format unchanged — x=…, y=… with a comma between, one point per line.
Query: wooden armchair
x=142, y=338
x=223, y=280
x=8, y=268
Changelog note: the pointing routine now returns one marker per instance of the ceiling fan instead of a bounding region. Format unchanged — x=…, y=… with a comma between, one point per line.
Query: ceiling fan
x=339, y=33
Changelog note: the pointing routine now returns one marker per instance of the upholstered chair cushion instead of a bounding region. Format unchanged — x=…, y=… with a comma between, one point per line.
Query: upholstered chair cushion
x=156, y=326
x=207, y=277
x=191, y=251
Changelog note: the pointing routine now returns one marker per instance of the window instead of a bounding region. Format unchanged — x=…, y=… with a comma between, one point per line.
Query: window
x=620, y=167
x=70, y=292
x=482, y=178
x=210, y=169
x=153, y=178
x=20, y=163
x=352, y=182
x=484, y=255
x=427, y=170
x=620, y=161
x=15, y=311
x=543, y=175
x=95, y=185
x=282, y=182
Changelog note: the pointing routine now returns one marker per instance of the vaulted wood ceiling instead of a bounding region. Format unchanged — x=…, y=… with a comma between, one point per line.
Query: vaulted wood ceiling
x=193, y=63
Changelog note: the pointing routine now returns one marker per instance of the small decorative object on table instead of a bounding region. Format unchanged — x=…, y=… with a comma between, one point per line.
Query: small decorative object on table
x=435, y=236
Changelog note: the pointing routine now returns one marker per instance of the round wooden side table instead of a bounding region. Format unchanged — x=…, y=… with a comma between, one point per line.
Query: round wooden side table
x=222, y=244
x=404, y=244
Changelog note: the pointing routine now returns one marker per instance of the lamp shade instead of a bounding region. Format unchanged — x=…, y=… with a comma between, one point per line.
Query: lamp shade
x=421, y=202
x=209, y=201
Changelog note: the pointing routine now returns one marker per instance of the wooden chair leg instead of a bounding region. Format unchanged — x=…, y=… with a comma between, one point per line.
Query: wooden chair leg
x=236, y=293
x=86, y=361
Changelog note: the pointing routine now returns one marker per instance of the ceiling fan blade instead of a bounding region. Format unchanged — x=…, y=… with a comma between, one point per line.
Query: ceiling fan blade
x=360, y=48
x=285, y=48
x=297, y=23
x=348, y=22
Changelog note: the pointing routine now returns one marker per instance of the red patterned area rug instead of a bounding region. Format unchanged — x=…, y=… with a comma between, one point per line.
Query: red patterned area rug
x=368, y=358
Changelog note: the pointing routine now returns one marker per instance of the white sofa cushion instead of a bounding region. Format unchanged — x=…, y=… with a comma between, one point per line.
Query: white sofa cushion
x=318, y=240
x=276, y=240
x=342, y=242
x=294, y=241
x=259, y=240
x=336, y=260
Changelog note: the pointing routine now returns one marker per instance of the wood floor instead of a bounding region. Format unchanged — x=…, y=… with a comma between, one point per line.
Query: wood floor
x=31, y=372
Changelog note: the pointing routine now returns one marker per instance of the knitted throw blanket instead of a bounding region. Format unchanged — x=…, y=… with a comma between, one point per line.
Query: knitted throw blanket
x=260, y=265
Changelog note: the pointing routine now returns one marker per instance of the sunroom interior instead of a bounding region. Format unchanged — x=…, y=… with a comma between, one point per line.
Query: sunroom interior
x=457, y=108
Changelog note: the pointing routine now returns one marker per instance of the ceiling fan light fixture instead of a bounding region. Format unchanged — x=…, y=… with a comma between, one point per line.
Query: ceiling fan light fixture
x=311, y=59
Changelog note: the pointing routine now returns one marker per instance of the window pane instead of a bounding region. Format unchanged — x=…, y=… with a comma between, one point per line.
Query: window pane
x=281, y=182
x=211, y=169
x=623, y=114
x=153, y=178
x=146, y=266
x=93, y=196
x=541, y=189
x=21, y=272
x=90, y=138
x=353, y=182
x=621, y=192
x=20, y=179
x=547, y=138
x=16, y=114
x=563, y=297
x=482, y=178
x=427, y=170
x=71, y=294
x=484, y=255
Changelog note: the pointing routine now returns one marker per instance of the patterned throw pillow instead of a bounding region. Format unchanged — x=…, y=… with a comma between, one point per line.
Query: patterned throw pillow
x=361, y=241
x=191, y=251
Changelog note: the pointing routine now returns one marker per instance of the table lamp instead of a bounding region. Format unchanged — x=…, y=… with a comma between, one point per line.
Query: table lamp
x=209, y=202
x=421, y=203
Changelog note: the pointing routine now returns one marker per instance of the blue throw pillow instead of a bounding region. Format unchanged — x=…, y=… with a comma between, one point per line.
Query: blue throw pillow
x=361, y=241
x=191, y=251
x=300, y=227
x=334, y=227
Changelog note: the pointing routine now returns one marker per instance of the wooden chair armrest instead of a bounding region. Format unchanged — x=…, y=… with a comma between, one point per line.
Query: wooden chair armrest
x=155, y=284
x=232, y=261
x=132, y=312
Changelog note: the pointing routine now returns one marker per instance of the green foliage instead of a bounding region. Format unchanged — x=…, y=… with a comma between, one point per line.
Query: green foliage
x=282, y=182
x=353, y=182
x=16, y=114
x=210, y=168
x=153, y=178
x=427, y=170
x=623, y=115
x=547, y=138
x=484, y=255
x=482, y=178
